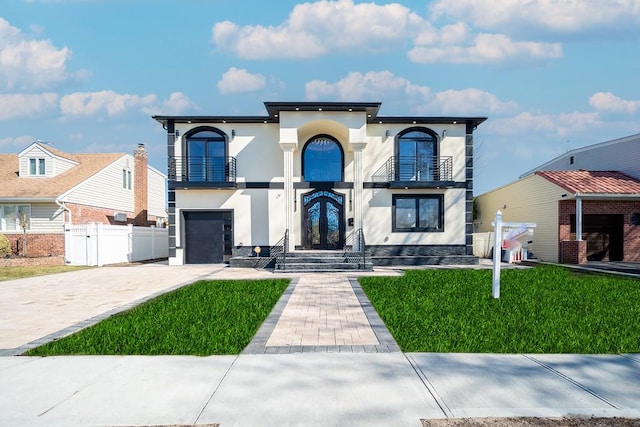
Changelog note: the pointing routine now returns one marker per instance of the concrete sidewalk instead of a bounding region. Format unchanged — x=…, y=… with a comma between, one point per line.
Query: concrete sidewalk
x=323, y=357
x=302, y=389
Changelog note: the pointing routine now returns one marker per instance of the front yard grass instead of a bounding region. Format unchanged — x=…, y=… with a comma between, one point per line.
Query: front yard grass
x=205, y=318
x=10, y=273
x=547, y=309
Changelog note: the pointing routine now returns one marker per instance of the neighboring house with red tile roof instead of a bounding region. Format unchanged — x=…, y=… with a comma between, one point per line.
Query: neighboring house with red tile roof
x=581, y=215
x=620, y=155
x=44, y=188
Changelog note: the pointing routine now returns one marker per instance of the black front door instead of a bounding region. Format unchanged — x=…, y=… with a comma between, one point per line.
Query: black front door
x=323, y=220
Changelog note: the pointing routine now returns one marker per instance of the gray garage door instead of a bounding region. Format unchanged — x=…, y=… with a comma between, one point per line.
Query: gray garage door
x=208, y=236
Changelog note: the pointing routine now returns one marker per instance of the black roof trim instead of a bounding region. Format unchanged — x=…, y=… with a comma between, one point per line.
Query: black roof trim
x=371, y=108
x=214, y=119
x=274, y=109
x=475, y=121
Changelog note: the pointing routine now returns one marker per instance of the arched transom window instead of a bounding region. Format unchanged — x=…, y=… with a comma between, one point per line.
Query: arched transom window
x=206, y=155
x=417, y=151
x=322, y=160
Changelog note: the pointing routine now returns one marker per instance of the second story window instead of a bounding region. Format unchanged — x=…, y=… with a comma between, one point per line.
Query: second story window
x=36, y=167
x=126, y=179
x=206, y=156
x=322, y=160
x=416, y=156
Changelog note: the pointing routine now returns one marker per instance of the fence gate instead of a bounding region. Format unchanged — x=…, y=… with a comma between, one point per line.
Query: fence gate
x=101, y=244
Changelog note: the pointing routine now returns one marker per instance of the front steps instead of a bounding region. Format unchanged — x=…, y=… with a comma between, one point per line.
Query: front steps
x=320, y=261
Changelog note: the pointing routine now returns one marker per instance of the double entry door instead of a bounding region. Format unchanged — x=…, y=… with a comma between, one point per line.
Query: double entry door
x=323, y=220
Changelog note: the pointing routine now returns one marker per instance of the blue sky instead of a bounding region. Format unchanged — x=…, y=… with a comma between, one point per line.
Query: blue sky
x=550, y=75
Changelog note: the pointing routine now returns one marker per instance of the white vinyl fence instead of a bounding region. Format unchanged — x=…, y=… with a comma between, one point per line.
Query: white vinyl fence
x=101, y=244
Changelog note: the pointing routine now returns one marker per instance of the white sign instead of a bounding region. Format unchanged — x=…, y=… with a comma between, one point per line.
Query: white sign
x=515, y=231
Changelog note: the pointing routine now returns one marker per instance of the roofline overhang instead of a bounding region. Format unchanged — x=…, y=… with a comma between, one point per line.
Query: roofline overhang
x=274, y=110
x=27, y=199
x=595, y=196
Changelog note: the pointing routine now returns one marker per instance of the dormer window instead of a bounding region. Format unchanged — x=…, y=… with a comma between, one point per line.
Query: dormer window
x=36, y=167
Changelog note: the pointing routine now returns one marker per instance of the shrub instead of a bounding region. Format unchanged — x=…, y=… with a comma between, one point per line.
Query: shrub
x=5, y=246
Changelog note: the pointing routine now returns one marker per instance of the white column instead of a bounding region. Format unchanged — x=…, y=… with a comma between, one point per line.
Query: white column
x=578, y=218
x=288, y=149
x=357, y=185
x=358, y=192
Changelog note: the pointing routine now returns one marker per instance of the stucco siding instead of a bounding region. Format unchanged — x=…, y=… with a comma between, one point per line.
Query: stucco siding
x=377, y=219
x=531, y=199
x=105, y=189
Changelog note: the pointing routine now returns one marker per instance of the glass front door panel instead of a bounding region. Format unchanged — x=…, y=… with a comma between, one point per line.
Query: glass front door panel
x=323, y=220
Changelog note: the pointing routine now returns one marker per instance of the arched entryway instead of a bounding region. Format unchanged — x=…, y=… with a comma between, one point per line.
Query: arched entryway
x=323, y=220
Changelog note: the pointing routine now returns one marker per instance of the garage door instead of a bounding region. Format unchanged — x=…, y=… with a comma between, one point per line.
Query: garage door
x=206, y=235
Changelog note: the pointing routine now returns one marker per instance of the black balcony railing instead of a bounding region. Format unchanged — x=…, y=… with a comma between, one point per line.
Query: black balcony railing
x=417, y=169
x=203, y=169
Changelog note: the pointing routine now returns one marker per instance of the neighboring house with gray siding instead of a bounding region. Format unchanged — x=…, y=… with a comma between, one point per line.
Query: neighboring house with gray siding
x=621, y=154
x=44, y=188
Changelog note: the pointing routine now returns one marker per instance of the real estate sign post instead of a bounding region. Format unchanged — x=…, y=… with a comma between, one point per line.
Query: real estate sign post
x=516, y=231
x=497, y=254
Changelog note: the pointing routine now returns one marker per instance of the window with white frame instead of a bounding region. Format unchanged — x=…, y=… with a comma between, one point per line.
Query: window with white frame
x=126, y=179
x=418, y=213
x=15, y=217
x=37, y=167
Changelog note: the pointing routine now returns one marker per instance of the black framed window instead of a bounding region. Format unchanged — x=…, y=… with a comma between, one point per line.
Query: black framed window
x=206, y=156
x=418, y=213
x=416, y=151
x=322, y=160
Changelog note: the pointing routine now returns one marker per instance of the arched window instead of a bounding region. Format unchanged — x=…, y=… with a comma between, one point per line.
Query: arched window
x=322, y=160
x=206, y=155
x=417, y=155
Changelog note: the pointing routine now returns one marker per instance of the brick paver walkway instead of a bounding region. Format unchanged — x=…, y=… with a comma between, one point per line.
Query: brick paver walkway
x=323, y=310
x=323, y=313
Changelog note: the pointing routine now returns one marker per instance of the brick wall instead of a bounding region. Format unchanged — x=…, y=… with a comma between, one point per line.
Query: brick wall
x=38, y=245
x=631, y=233
x=83, y=214
x=140, y=186
x=573, y=252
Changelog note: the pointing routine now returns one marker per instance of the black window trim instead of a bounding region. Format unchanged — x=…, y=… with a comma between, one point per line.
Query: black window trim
x=417, y=197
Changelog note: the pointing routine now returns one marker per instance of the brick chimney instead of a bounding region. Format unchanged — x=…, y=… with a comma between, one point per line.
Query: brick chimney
x=140, y=173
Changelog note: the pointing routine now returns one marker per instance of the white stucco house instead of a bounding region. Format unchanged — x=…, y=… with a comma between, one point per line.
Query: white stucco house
x=326, y=175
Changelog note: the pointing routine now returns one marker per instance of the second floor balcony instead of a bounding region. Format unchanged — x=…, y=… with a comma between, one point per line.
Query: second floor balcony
x=416, y=172
x=202, y=171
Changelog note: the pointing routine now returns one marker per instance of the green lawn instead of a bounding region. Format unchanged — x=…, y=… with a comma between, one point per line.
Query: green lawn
x=10, y=273
x=206, y=318
x=546, y=309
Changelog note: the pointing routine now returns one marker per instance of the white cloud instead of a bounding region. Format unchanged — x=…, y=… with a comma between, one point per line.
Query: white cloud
x=177, y=103
x=27, y=63
x=606, y=101
x=239, y=80
x=14, y=145
x=484, y=48
x=470, y=101
x=104, y=102
x=14, y=106
x=112, y=104
x=371, y=86
x=314, y=29
x=559, y=16
x=545, y=124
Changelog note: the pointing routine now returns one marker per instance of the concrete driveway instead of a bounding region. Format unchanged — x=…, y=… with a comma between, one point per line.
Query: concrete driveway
x=36, y=309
